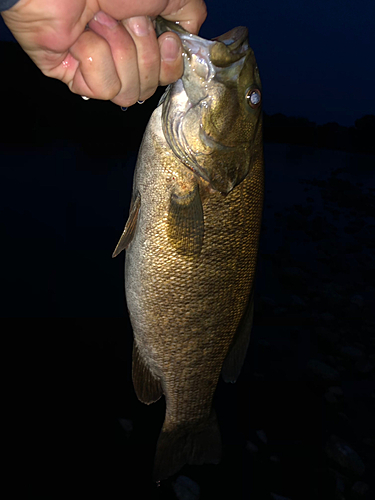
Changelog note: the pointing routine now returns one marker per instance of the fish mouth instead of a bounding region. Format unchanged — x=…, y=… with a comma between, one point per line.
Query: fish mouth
x=224, y=50
x=209, y=66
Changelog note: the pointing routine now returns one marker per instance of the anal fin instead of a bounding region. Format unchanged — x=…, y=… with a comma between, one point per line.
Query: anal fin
x=147, y=387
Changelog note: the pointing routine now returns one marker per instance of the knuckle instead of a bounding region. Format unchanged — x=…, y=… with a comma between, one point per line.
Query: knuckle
x=147, y=93
x=110, y=91
x=127, y=98
x=149, y=60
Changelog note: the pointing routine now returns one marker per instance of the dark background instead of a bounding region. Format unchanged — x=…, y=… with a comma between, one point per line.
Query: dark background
x=299, y=421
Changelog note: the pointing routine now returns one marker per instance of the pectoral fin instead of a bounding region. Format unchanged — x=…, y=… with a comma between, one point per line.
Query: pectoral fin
x=237, y=351
x=130, y=226
x=185, y=221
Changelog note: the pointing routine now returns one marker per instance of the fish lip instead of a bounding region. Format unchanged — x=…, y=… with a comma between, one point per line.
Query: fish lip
x=224, y=49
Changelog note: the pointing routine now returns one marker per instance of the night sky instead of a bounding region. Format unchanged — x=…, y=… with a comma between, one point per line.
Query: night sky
x=316, y=57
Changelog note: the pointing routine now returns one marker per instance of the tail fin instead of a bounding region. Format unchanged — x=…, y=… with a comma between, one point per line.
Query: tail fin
x=187, y=444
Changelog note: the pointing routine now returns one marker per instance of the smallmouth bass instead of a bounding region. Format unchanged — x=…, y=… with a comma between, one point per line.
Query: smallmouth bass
x=191, y=241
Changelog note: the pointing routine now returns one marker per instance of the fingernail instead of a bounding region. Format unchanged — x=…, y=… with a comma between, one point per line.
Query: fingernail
x=169, y=49
x=102, y=18
x=139, y=25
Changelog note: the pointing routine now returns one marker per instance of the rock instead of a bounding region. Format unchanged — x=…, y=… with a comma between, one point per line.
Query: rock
x=351, y=352
x=274, y=496
x=340, y=485
x=359, y=345
x=369, y=441
x=279, y=310
x=127, y=425
x=353, y=247
x=345, y=420
x=364, y=366
x=297, y=303
x=338, y=451
x=360, y=488
x=336, y=390
x=333, y=293
x=327, y=317
x=304, y=210
x=357, y=300
x=294, y=222
x=263, y=343
x=266, y=304
x=330, y=398
x=341, y=482
x=323, y=371
x=186, y=489
x=253, y=448
x=262, y=436
x=293, y=276
x=327, y=335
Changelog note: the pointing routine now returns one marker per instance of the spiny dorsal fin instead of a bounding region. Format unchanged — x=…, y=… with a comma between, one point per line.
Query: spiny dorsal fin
x=185, y=222
x=130, y=226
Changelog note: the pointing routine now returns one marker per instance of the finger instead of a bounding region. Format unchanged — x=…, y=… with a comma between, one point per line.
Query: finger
x=90, y=70
x=191, y=16
x=143, y=34
x=171, y=67
x=124, y=56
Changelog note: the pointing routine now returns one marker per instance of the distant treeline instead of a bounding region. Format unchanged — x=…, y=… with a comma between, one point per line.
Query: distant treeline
x=295, y=130
x=36, y=110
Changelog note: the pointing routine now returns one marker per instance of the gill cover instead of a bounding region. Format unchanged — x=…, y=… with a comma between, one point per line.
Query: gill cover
x=207, y=120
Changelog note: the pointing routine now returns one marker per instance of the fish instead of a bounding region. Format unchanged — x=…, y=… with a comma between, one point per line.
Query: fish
x=191, y=241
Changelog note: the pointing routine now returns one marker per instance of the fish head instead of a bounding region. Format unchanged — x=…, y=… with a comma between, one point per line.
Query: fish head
x=212, y=115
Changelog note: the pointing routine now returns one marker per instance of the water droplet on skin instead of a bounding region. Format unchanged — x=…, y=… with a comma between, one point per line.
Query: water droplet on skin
x=123, y=108
x=140, y=102
x=89, y=59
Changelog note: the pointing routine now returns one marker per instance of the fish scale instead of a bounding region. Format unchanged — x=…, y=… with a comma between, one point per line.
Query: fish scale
x=191, y=247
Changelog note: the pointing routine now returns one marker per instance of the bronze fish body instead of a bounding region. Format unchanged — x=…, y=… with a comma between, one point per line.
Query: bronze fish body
x=191, y=242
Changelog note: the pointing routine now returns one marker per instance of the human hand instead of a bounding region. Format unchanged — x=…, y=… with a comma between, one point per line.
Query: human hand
x=122, y=60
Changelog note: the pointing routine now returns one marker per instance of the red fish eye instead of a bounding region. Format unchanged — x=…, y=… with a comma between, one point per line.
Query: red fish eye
x=254, y=98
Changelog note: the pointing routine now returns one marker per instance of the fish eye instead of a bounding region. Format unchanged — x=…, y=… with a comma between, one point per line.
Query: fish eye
x=254, y=98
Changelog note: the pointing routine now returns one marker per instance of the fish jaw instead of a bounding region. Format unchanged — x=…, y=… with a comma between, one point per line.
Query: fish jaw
x=207, y=120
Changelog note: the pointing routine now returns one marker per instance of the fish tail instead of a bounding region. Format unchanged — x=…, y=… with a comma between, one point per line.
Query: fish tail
x=187, y=444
